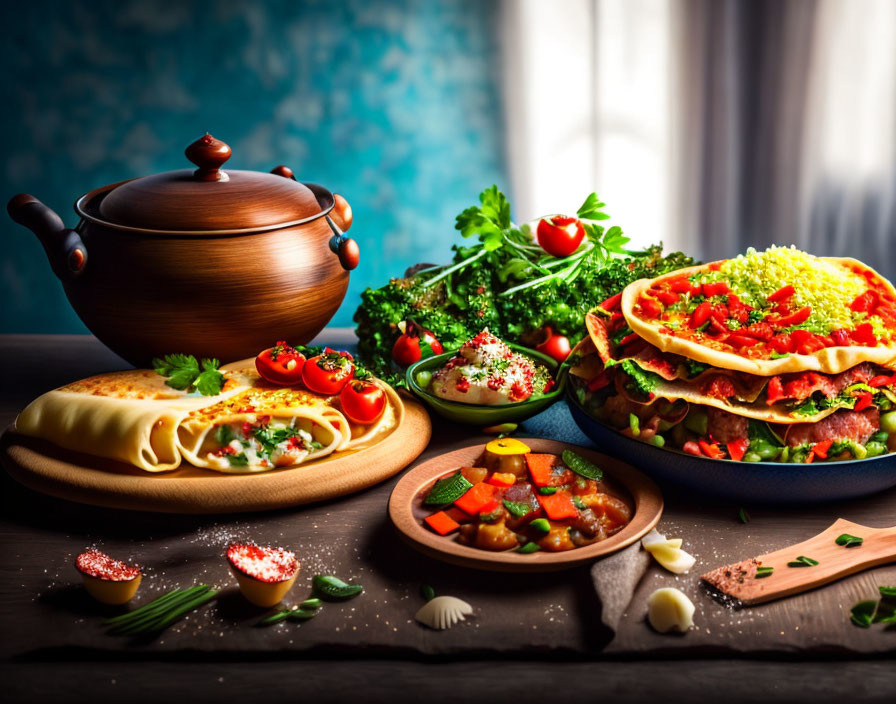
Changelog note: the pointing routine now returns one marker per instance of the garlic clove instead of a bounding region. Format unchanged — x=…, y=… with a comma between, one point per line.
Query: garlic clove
x=668, y=609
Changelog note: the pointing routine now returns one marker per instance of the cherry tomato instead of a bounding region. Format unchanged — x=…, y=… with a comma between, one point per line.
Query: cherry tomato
x=329, y=372
x=281, y=364
x=560, y=235
x=362, y=401
x=555, y=346
x=415, y=344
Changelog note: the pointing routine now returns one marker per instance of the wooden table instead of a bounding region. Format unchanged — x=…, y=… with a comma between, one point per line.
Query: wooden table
x=53, y=650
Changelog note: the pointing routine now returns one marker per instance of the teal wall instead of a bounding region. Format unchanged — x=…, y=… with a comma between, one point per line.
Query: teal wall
x=393, y=104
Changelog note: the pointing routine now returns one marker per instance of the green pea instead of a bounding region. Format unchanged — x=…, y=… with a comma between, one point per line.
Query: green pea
x=752, y=457
x=880, y=437
x=658, y=441
x=875, y=448
x=888, y=422
x=424, y=378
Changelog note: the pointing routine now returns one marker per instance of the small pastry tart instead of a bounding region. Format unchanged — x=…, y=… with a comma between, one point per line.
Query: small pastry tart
x=265, y=574
x=106, y=579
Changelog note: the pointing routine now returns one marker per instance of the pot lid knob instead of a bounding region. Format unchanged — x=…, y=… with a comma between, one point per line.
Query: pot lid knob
x=209, y=154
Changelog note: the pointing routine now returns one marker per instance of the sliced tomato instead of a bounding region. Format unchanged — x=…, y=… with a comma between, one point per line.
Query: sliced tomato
x=863, y=334
x=796, y=318
x=820, y=449
x=650, y=307
x=682, y=284
x=781, y=343
x=774, y=392
x=715, y=288
x=738, y=448
x=782, y=294
x=667, y=298
x=739, y=341
x=700, y=315
x=866, y=398
x=840, y=337
x=865, y=302
x=760, y=330
x=882, y=380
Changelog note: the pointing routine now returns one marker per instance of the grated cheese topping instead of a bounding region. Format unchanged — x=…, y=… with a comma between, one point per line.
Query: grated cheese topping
x=829, y=289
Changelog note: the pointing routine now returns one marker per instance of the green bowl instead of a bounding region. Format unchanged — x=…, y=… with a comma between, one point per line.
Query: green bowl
x=484, y=416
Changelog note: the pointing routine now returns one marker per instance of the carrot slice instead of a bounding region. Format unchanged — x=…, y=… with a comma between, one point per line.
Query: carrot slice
x=543, y=472
x=442, y=523
x=480, y=497
x=558, y=506
x=504, y=479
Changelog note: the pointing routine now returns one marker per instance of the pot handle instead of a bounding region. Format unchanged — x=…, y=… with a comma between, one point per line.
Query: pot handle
x=344, y=247
x=64, y=248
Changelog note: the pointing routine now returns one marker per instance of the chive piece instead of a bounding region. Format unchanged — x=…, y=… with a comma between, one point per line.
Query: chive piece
x=312, y=603
x=528, y=548
x=803, y=561
x=541, y=524
x=862, y=614
x=135, y=624
x=154, y=604
x=849, y=541
x=886, y=611
x=334, y=589
x=581, y=466
x=179, y=612
x=547, y=490
x=579, y=504
x=427, y=592
x=276, y=617
x=763, y=572
x=743, y=515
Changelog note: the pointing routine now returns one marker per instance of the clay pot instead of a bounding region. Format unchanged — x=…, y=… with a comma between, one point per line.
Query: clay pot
x=205, y=262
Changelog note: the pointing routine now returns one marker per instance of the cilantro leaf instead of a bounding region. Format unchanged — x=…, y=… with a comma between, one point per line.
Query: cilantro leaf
x=183, y=373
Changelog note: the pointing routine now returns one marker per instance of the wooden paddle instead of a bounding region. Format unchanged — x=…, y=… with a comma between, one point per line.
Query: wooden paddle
x=834, y=561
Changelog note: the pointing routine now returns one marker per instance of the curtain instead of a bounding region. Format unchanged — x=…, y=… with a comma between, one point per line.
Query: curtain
x=712, y=125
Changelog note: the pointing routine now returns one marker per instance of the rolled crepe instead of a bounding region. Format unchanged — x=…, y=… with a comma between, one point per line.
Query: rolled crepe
x=131, y=416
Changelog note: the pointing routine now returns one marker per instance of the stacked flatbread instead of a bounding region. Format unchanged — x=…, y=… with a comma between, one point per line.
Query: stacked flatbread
x=251, y=426
x=795, y=351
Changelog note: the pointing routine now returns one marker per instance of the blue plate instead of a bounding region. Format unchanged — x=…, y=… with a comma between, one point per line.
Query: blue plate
x=760, y=482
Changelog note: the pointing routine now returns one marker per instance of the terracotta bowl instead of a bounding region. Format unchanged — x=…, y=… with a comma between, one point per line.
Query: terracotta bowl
x=406, y=511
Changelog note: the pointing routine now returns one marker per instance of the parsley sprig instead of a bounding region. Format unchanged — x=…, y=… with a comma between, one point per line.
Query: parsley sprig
x=184, y=373
x=490, y=221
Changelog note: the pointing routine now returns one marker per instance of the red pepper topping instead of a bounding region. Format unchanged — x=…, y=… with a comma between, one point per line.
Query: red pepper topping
x=820, y=449
x=463, y=385
x=650, y=307
x=782, y=294
x=716, y=288
x=738, y=448
x=692, y=448
x=882, y=380
x=711, y=449
x=667, y=298
x=612, y=303
x=774, y=392
x=866, y=398
x=700, y=315
x=797, y=318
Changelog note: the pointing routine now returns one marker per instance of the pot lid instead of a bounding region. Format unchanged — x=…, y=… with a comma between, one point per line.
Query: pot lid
x=209, y=198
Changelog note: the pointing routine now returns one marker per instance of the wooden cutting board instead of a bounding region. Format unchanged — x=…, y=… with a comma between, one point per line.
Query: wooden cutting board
x=41, y=466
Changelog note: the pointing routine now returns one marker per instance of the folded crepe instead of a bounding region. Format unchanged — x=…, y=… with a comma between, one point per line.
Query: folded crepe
x=251, y=426
x=806, y=345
